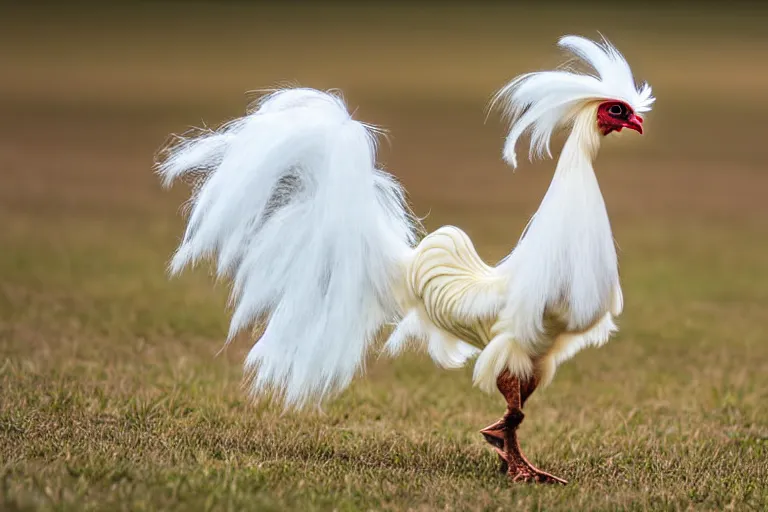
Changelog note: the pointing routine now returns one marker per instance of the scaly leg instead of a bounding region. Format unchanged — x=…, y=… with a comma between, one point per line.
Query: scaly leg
x=502, y=435
x=494, y=434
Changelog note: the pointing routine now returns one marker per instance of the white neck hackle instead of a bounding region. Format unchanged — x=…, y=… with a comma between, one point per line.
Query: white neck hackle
x=583, y=142
x=566, y=260
x=579, y=151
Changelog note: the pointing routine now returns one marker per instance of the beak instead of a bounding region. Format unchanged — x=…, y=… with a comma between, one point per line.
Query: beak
x=635, y=122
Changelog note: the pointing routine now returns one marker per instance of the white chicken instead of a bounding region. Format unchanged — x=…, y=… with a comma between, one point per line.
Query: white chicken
x=323, y=250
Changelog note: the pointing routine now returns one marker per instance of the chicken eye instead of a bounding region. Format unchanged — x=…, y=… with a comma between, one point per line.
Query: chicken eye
x=616, y=110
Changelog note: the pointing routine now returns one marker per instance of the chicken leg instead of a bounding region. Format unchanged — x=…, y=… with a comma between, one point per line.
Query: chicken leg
x=502, y=435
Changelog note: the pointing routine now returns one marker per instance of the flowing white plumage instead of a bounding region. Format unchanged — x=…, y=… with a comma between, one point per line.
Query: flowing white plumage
x=321, y=246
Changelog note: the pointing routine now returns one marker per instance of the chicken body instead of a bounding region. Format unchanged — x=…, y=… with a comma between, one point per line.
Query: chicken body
x=556, y=293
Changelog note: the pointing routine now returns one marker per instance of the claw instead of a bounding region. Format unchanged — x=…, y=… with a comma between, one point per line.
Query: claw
x=494, y=434
x=546, y=478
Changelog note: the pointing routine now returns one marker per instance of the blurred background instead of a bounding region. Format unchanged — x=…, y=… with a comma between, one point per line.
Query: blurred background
x=90, y=93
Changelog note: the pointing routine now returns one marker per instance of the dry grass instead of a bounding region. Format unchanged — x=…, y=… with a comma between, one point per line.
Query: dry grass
x=113, y=396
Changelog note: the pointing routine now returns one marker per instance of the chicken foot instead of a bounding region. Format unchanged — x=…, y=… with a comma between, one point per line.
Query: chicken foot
x=502, y=435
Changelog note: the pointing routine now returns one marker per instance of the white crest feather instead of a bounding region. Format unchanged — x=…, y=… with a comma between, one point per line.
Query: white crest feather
x=543, y=101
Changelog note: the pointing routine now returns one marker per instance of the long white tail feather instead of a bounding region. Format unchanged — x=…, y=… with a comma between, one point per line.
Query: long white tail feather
x=311, y=233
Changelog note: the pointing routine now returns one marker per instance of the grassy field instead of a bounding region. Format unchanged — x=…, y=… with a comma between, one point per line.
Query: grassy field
x=113, y=395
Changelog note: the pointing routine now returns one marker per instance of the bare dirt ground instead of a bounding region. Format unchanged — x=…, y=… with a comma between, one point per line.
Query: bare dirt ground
x=112, y=395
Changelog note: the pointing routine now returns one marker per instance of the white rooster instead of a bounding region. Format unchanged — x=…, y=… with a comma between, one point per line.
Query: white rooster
x=323, y=250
